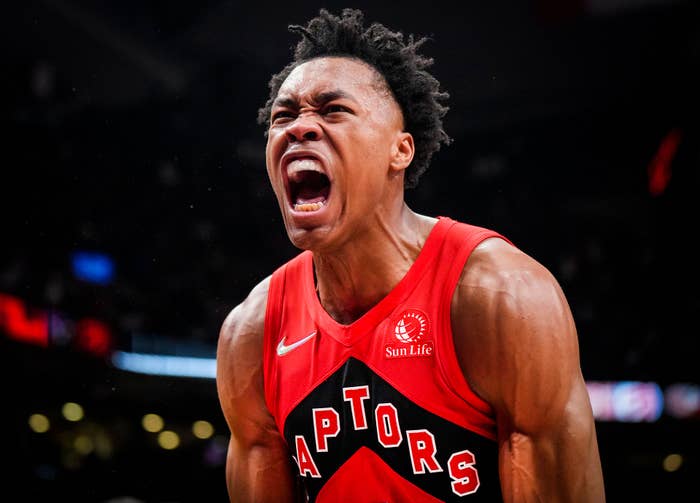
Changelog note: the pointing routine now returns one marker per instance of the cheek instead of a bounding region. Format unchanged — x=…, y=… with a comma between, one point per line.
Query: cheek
x=272, y=155
x=376, y=154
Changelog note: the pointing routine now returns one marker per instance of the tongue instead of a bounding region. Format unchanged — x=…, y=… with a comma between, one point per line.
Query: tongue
x=309, y=203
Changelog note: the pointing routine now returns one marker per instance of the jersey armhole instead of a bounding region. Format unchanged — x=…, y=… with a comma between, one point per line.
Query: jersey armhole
x=270, y=331
x=467, y=239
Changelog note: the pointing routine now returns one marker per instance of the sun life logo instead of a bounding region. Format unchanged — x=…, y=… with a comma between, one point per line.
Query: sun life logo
x=411, y=326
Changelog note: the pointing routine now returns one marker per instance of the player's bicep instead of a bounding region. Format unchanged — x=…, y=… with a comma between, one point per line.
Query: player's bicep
x=257, y=453
x=545, y=423
x=239, y=378
x=540, y=362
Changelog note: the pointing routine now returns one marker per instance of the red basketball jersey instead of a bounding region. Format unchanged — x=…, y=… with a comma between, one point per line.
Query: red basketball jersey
x=379, y=410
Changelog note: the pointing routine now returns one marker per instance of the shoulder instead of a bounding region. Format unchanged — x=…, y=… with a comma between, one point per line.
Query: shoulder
x=510, y=321
x=499, y=276
x=256, y=451
x=239, y=356
x=246, y=322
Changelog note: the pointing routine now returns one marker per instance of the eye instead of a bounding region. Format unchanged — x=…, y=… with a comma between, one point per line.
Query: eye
x=329, y=109
x=281, y=116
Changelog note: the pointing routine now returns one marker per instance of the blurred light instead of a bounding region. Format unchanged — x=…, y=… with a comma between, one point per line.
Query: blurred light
x=659, y=169
x=637, y=401
x=93, y=267
x=600, y=394
x=94, y=337
x=83, y=444
x=627, y=401
x=103, y=445
x=21, y=324
x=216, y=450
x=181, y=366
x=152, y=422
x=168, y=439
x=683, y=400
x=202, y=429
x=61, y=330
x=672, y=462
x=39, y=423
x=37, y=326
x=72, y=411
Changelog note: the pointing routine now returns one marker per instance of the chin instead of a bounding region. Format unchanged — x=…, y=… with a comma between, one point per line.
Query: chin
x=312, y=239
x=304, y=239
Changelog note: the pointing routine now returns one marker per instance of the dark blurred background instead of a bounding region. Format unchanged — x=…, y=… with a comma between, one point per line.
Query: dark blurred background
x=136, y=213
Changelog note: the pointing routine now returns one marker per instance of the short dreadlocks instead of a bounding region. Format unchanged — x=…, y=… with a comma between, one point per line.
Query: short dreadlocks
x=416, y=91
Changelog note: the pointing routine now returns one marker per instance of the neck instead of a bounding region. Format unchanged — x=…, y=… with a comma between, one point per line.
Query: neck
x=354, y=278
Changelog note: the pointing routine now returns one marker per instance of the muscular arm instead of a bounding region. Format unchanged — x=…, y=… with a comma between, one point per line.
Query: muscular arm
x=517, y=344
x=257, y=465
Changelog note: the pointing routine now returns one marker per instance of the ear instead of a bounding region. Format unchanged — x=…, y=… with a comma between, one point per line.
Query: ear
x=402, y=152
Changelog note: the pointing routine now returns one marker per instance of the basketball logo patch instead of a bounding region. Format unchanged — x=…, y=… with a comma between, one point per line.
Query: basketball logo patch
x=411, y=326
x=411, y=329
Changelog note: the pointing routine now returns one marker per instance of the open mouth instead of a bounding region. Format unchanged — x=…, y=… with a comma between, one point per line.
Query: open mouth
x=308, y=186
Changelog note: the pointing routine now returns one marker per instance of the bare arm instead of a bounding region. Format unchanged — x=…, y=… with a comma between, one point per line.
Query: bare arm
x=517, y=344
x=257, y=465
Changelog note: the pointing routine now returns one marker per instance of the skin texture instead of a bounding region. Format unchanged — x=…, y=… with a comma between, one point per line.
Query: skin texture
x=514, y=334
x=256, y=453
x=517, y=344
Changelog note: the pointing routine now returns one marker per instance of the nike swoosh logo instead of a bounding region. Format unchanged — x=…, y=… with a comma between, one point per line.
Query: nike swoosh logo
x=283, y=350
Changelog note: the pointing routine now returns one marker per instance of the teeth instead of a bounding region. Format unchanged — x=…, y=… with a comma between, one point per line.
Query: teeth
x=304, y=164
x=308, y=206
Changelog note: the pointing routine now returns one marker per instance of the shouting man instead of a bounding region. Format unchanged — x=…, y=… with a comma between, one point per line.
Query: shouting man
x=398, y=357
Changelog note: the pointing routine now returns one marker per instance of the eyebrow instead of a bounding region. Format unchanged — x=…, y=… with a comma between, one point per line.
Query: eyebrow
x=319, y=99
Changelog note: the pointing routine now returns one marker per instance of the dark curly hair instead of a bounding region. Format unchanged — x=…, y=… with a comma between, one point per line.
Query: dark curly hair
x=416, y=91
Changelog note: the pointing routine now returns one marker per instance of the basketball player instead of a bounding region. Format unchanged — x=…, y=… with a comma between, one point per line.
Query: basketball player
x=399, y=357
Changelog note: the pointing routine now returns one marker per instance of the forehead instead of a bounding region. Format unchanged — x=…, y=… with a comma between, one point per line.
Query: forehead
x=319, y=75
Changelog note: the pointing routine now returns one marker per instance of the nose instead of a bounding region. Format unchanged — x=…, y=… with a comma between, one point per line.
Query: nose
x=304, y=128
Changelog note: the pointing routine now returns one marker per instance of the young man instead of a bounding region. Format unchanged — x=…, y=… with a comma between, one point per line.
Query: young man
x=399, y=357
